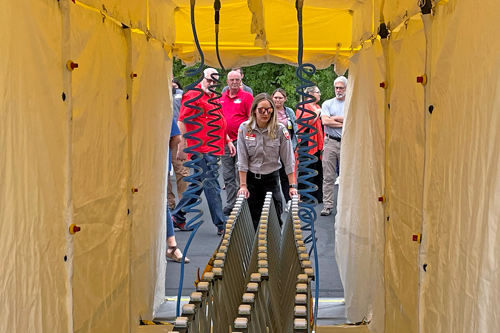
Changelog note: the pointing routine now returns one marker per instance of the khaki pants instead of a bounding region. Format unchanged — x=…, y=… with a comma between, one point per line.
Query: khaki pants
x=180, y=171
x=331, y=155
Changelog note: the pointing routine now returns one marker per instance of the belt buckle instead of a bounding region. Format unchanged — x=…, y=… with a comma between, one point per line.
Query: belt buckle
x=258, y=176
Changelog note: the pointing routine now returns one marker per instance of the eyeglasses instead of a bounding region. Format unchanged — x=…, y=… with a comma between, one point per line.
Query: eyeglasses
x=209, y=80
x=265, y=110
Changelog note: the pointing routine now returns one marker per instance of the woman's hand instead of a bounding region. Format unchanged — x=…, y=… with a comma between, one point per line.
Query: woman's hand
x=244, y=191
x=293, y=191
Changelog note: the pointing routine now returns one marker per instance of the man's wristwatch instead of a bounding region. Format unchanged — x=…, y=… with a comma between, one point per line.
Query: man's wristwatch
x=293, y=185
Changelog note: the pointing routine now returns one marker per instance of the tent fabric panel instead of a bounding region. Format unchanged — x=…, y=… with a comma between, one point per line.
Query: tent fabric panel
x=398, y=11
x=132, y=13
x=365, y=21
x=460, y=288
x=33, y=169
x=151, y=120
x=99, y=164
x=324, y=32
x=359, y=226
x=161, y=21
x=406, y=155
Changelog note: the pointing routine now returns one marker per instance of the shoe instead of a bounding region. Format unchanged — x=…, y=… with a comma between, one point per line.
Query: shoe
x=288, y=205
x=227, y=211
x=180, y=226
x=337, y=181
x=174, y=257
x=220, y=232
x=326, y=211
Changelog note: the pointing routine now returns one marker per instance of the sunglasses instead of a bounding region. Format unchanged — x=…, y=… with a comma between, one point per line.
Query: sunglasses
x=265, y=110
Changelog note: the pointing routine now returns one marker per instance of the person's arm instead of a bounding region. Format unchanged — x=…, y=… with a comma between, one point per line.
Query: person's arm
x=232, y=149
x=243, y=161
x=181, y=155
x=174, y=141
x=332, y=121
x=243, y=184
x=293, y=184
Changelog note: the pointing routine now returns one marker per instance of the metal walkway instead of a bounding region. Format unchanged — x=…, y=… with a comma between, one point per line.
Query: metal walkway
x=331, y=308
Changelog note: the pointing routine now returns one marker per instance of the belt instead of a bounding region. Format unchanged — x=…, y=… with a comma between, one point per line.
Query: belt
x=262, y=176
x=333, y=137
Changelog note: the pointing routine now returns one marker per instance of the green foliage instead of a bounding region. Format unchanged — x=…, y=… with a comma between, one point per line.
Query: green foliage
x=267, y=77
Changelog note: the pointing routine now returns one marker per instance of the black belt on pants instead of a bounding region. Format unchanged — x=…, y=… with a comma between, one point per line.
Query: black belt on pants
x=266, y=176
x=333, y=137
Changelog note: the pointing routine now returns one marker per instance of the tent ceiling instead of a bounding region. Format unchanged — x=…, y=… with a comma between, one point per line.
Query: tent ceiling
x=257, y=31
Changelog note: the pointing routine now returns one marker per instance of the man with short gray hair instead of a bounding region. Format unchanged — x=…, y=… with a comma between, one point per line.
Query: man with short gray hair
x=236, y=105
x=332, y=116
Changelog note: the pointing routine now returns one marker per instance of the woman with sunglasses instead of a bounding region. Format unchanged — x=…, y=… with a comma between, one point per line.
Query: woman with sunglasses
x=263, y=145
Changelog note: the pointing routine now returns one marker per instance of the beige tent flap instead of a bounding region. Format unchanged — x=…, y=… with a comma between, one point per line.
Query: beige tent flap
x=359, y=241
x=99, y=172
x=33, y=173
x=406, y=154
x=151, y=118
x=461, y=199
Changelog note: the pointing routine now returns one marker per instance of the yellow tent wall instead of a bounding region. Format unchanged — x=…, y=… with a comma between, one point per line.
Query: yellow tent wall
x=75, y=143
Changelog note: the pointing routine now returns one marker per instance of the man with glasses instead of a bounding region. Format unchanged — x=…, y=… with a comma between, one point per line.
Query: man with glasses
x=332, y=116
x=236, y=105
x=208, y=161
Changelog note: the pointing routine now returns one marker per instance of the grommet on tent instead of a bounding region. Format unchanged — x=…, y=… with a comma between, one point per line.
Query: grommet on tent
x=132, y=75
x=417, y=238
x=383, y=85
x=134, y=190
x=70, y=65
x=73, y=229
x=422, y=79
x=381, y=199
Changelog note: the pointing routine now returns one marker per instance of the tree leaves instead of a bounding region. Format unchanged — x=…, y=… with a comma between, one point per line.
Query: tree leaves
x=267, y=77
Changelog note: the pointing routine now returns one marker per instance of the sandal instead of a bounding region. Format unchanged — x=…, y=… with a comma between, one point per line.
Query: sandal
x=175, y=257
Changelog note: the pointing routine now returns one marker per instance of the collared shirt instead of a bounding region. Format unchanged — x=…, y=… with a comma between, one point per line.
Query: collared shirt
x=258, y=153
x=203, y=119
x=316, y=123
x=236, y=110
x=333, y=107
x=245, y=88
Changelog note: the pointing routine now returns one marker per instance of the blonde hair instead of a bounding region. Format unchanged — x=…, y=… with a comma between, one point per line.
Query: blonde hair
x=272, y=124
